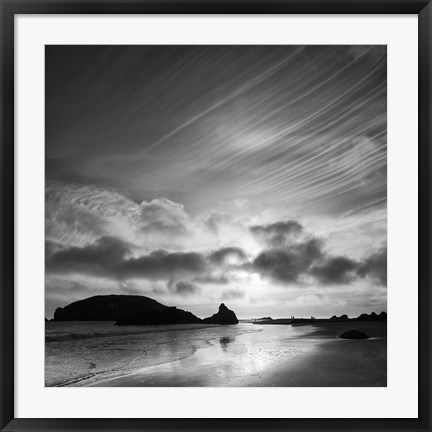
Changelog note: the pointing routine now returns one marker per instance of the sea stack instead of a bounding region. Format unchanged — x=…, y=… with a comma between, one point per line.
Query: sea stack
x=353, y=334
x=224, y=316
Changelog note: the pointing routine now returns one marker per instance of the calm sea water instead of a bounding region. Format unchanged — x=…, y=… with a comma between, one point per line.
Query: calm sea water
x=100, y=353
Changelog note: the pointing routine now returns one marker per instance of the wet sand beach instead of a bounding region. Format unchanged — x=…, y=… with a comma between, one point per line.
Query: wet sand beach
x=317, y=359
x=332, y=362
x=220, y=356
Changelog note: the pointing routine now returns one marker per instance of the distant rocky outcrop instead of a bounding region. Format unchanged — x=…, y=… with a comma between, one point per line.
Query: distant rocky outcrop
x=107, y=308
x=341, y=318
x=363, y=317
x=302, y=320
x=353, y=334
x=224, y=316
x=372, y=317
x=169, y=315
x=263, y=320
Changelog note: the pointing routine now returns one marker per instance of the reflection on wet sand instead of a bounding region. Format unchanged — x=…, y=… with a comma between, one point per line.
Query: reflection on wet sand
x=225, y=341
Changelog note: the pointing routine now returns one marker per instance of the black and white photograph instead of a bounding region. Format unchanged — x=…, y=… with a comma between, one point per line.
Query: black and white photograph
x=215, y=216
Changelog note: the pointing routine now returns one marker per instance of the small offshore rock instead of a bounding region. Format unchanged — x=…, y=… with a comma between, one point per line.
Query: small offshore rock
x=353, y=334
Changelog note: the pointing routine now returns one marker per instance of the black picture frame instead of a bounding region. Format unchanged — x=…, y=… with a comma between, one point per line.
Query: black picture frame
x=9, y=9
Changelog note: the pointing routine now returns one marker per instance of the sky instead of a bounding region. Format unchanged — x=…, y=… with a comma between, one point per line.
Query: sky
x=250, y=175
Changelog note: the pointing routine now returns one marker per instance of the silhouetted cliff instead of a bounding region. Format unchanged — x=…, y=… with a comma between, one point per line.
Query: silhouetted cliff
x=106, y=308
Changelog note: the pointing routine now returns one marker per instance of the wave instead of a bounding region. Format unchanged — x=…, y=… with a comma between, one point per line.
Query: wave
x=75, y=336
x=122, y=331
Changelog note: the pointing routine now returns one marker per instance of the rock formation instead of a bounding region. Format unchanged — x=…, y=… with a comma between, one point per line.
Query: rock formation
x=107, y=308
x=363, y=317
x=353, y=334
x=224, y=316
x=341, y=318
x=169, y=315
x=372, y=317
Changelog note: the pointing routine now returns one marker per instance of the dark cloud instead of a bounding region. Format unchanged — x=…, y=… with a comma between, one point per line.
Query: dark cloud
x=186, y=288
x=287, y=264
x=222, y=255
x=99, y=258
x=308, y=258
x=287, y=259
x=111, y=257
x=277, y=234
x=52, y=247
x=108, y=257
x=375, y=266
x=163, y=266
x=335, y=270
x=214, y=280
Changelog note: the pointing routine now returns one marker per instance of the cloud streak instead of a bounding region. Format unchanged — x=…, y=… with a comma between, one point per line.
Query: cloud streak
x=291, y=124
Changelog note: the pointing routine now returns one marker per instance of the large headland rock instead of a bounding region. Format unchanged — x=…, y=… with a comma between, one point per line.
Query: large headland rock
x=169, y=315
x=106, y=308
x=125, y=310
x=223, y=316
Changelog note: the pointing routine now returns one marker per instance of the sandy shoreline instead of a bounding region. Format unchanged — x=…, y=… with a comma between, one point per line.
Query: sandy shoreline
x=333, y=362
x=330, y=362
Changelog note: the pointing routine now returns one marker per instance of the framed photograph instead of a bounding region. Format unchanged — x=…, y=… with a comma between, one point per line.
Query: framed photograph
x=215, y=216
